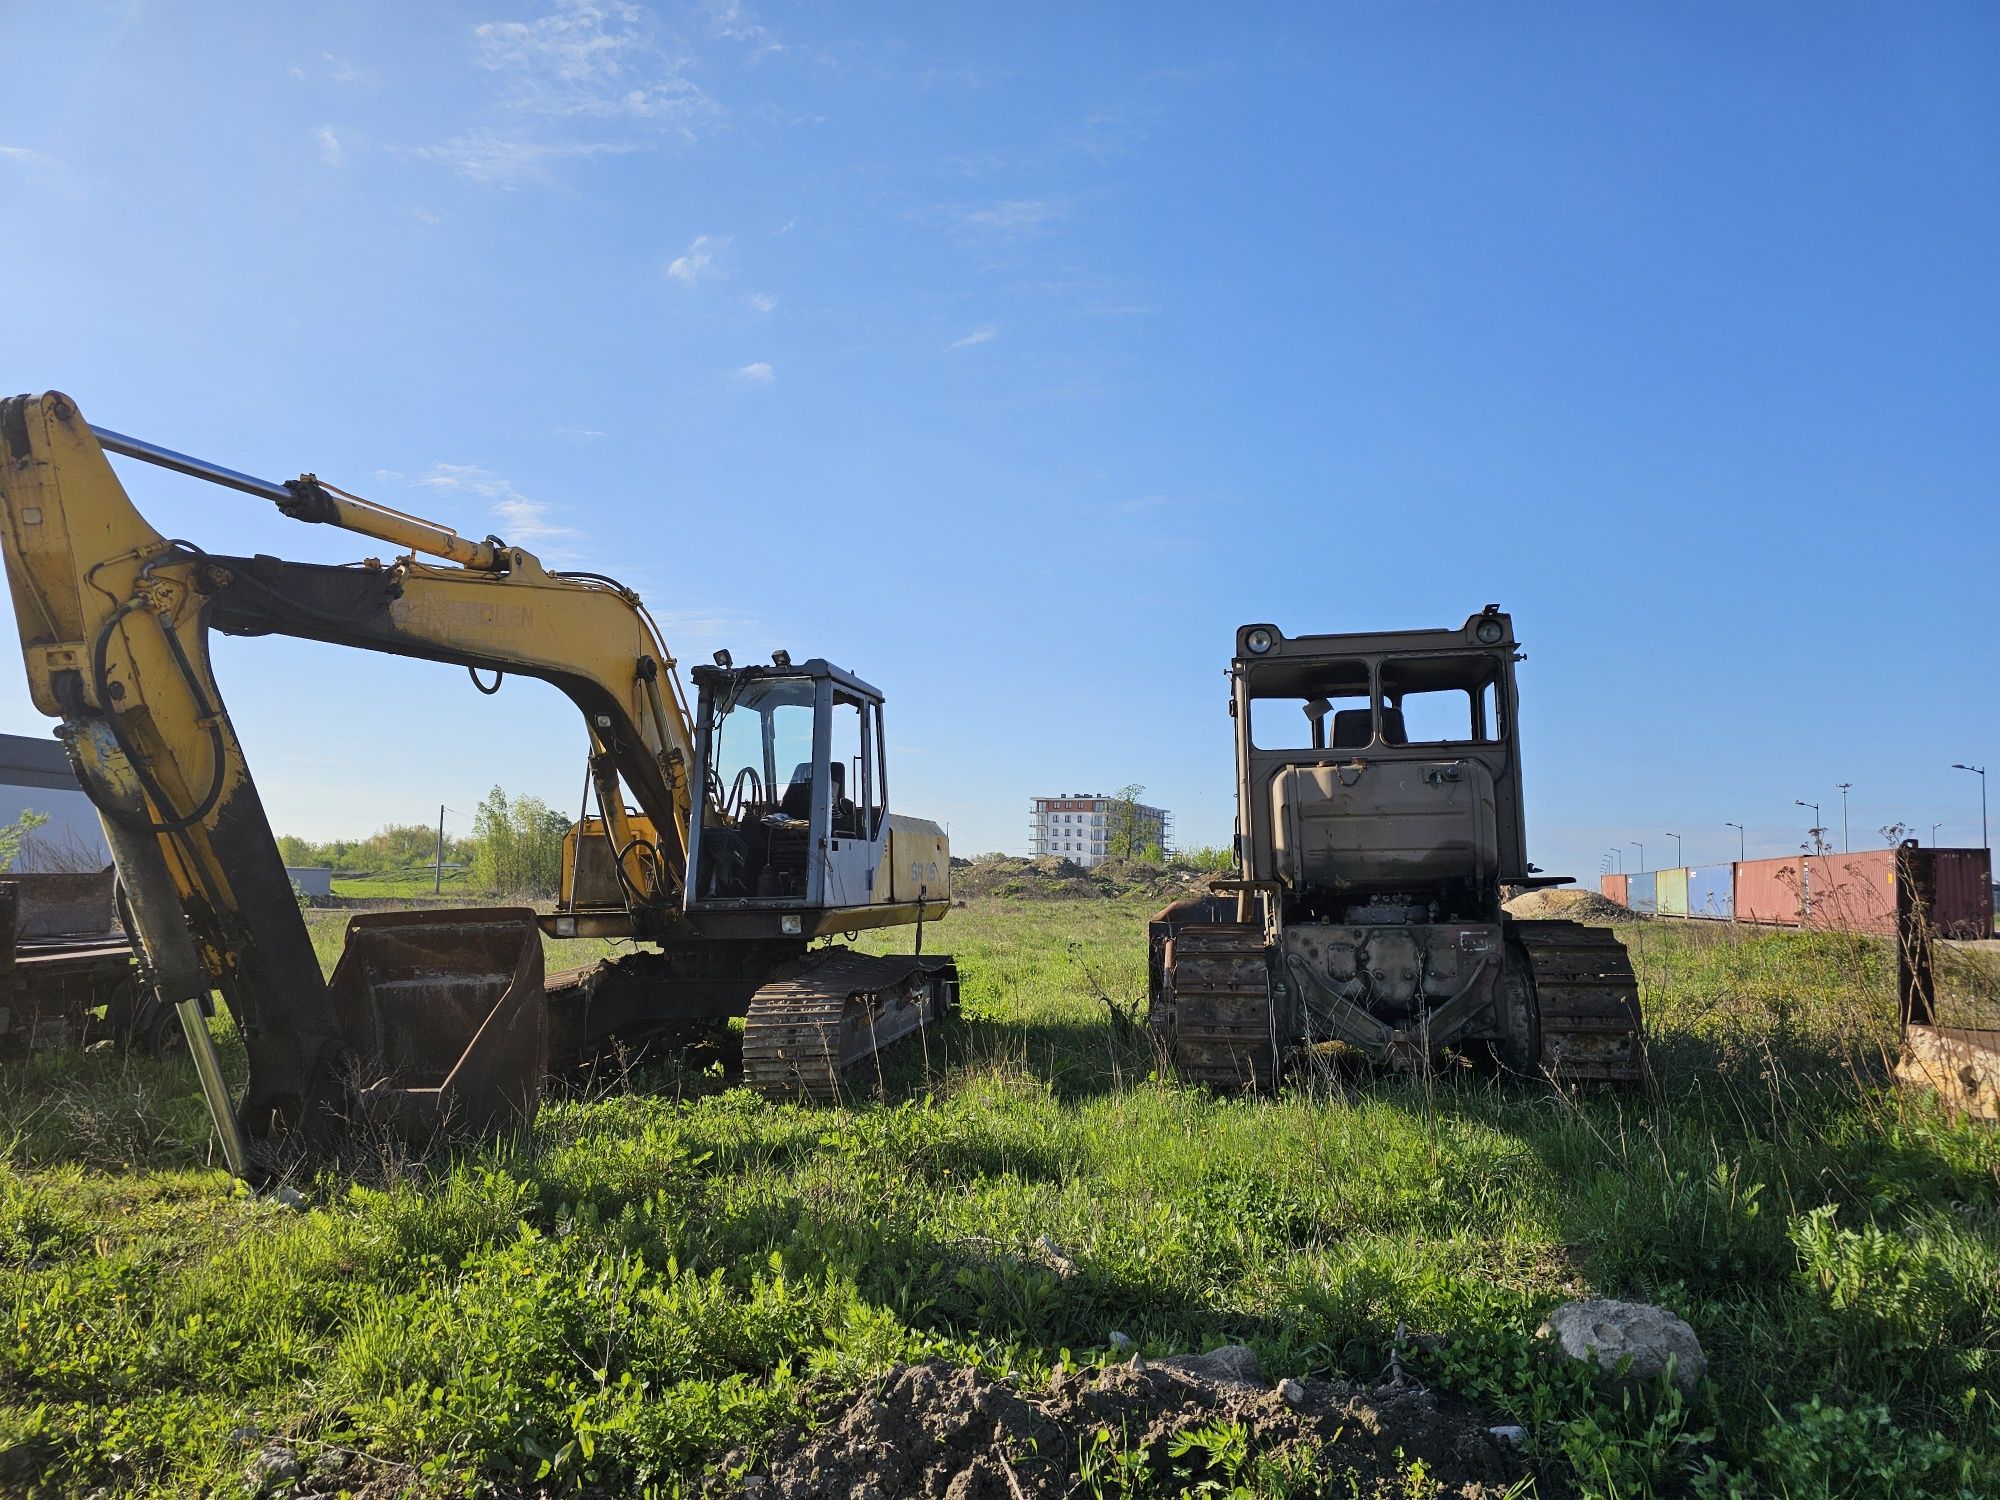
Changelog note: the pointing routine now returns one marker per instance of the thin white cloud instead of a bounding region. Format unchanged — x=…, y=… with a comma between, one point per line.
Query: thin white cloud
x=529, y=521
x=521, y=519
x=698, y=264
x=582, y=434
x=762, y=302
x=600, y=59
x=329, y=146
x=755, y=373
x=22, y=153
x=731, y=21
x=494, y=160
x=982, y=335
x=1003, y=221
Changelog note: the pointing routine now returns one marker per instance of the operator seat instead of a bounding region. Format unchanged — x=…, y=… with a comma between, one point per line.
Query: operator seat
x=1353, y=728
x=797, y=801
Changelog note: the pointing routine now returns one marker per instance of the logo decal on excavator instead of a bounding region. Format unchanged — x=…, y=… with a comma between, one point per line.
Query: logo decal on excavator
x=445, y=618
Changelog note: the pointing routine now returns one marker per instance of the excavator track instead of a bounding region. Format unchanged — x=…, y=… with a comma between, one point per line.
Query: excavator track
x=1214, y=1015
x=1588, y=998
x=820, y=1031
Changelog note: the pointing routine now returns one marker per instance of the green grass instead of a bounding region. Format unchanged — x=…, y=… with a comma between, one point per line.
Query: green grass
x=664, y=1273
x=407, y=885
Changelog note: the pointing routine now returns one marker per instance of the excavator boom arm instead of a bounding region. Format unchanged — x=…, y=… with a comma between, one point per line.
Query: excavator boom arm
x=114, y=621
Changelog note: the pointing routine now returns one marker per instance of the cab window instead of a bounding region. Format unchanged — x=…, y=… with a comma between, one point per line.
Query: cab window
x=1441, y=700
x=1321, y=705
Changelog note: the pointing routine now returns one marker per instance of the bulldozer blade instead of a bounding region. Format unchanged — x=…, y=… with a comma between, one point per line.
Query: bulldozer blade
x=445, y=1020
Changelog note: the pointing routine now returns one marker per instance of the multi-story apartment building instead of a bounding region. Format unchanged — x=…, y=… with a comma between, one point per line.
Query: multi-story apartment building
x=1088, y=826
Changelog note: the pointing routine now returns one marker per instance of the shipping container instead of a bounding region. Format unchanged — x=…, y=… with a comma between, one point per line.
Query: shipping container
x=1769, y=890
x=1712, y=892
x=1852, y=892
x=1670, y=892
x=1613, y=888
x=1639, y=892
x=1964, y=893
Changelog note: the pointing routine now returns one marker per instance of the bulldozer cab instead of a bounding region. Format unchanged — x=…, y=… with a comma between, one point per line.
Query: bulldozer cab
x=1377, y=764
x=796, y=788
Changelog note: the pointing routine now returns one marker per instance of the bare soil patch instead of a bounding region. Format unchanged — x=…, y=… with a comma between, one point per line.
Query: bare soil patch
x=1050, y=877
x=1568, y=906
x=944, y=1432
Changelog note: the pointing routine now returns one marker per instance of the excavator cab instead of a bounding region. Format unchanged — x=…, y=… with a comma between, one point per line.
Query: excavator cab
x=797, y=792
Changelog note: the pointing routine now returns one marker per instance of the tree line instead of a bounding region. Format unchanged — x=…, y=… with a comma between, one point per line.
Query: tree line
x=515, y=847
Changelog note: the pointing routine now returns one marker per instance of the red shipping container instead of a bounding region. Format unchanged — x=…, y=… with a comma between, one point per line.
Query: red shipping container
x=1612, y=888
x=1964, y=893
x=1852, y=892
x=1769, y=890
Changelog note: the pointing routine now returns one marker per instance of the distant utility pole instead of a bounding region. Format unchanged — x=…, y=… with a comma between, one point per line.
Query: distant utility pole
x=1642, y=855
x=1742, y=849
x=1985, y=841
x=1845, y=847
x=437, y=886
x=1678, y=861
x=1934, y=828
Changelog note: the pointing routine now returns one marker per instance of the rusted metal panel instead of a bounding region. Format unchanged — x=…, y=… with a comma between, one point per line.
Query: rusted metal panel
x=1670, y=892
x=1640, y=891
x=1852, y=892
x=1613, y=889
x=55, y=905
x=1770, y=890
x=1964, y=902
x=1712, y=892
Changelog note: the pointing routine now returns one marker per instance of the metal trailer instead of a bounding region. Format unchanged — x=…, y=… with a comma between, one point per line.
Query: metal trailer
x=1641, y=892
x=1711, y=892
x=1670, y=892
x=66, y=968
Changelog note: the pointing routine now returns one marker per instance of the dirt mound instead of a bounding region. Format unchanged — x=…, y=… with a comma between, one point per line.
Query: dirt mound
x=1050, y=877
x=943, y=1432
x=1569, y=906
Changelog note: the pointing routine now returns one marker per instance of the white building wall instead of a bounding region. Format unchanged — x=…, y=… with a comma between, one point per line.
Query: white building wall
x=1076, y=826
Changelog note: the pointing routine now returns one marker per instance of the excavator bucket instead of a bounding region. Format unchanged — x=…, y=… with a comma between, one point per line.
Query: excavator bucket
x=444, y=1016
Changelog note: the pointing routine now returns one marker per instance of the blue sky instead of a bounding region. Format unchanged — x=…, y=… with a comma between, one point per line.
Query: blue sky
x=1013, y=356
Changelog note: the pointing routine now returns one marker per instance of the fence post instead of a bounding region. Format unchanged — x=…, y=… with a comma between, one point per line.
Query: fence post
x=1916, y=894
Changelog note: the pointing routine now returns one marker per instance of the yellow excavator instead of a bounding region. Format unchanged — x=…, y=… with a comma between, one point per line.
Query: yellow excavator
x=727, y=839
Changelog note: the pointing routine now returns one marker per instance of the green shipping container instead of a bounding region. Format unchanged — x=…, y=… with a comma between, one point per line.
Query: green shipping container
x=1670, y=893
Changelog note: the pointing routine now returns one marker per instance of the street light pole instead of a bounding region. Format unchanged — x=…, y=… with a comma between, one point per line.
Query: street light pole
x=1642, y=855
x=1985, y=841
x=1934, y=828
x=1742, y=849
x=1678, y=861
x=1819, y=841
x=1845, y=847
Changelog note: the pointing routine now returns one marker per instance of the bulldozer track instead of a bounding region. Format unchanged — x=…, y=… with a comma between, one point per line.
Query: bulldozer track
x=1588, y=998
x=1214, y=1017
x=819, y=1032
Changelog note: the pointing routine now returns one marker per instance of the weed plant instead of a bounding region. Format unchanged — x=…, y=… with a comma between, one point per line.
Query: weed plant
x=672, y=1268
